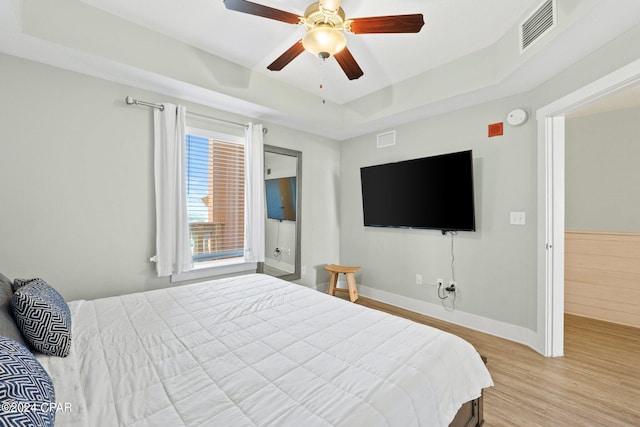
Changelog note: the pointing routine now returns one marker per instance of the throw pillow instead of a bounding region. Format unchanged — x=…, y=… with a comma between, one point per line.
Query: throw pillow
x=8, y=327
x=27, y=395
x=18, y=283
x=43, y=317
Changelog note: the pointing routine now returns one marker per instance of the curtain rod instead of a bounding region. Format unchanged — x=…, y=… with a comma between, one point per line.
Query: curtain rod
x=132, y=101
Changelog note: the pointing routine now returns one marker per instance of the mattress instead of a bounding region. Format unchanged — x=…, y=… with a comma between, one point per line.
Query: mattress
x=257, y=351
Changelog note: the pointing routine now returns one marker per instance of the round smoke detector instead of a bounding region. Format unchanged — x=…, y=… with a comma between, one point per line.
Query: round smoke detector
x=517, y=117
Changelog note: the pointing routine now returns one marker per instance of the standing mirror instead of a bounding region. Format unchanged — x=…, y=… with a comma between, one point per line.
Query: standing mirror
x=283, y=190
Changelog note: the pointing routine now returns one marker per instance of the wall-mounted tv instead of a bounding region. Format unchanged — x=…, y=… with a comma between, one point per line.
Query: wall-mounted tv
x=281, y=198
x=432, y=193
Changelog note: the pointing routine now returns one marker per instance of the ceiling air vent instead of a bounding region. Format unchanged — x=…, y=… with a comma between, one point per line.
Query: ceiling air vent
x=537, y=24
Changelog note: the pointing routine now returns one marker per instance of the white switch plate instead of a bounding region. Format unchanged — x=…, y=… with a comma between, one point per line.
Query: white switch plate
x=518, y=218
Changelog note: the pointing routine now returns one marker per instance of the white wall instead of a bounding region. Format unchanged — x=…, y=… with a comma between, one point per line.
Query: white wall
x=76, y=174
x=602, y=178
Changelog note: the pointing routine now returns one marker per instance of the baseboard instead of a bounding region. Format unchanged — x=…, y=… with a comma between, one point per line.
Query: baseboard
x=497, y=328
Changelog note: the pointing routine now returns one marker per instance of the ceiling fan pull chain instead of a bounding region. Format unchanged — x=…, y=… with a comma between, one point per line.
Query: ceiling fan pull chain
x=322, y=79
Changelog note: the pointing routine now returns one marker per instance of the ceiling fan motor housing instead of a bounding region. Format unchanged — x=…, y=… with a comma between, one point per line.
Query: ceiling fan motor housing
x=315, y=14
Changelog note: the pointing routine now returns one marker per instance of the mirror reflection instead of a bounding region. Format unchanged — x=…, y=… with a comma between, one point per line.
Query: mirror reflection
x=282, y=227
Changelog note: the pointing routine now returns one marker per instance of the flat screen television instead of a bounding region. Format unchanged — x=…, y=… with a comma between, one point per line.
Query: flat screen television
x=430, y=193
x=281, y=198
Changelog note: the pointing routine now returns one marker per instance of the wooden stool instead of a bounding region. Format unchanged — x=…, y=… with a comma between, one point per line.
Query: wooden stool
x=351, y=280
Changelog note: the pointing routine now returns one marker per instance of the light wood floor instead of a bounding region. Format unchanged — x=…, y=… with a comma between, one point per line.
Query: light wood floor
x=596, y=383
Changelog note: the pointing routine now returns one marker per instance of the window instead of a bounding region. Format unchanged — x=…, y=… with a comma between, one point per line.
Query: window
x=215, y=194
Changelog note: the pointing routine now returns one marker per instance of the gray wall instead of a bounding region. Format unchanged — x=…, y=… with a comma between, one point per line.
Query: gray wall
x=321, y=161
x=77, y=191
x=76, y=183
x=495, y=266
x=602, y=178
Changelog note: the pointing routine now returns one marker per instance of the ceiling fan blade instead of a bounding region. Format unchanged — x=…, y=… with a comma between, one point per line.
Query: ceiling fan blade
x=288, y=56
x=260, y=10
x=388, y=24
x=348, y=64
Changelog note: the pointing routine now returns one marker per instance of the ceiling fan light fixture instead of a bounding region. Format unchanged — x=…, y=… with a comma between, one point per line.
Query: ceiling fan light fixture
x=324, y=41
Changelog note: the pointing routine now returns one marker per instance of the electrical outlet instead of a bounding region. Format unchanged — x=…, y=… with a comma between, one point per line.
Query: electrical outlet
x=452, y=288
x=418, y=279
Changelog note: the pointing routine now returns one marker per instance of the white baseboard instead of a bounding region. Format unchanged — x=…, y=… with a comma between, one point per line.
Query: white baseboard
x=497, y=328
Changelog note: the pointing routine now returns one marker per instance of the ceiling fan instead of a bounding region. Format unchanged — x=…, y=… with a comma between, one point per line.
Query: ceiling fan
x=326, y=24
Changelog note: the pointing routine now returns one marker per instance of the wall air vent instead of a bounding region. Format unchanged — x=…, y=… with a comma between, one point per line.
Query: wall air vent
x=386, y=139
x=542, y=20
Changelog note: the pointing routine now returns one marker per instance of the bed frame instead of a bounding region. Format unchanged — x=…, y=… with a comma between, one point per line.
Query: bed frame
x=471, y=413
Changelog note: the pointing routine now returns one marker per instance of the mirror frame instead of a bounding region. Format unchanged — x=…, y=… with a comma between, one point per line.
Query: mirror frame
x=298, y=262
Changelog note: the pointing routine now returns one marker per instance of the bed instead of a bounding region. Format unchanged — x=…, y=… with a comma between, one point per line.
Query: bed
x=255, y=351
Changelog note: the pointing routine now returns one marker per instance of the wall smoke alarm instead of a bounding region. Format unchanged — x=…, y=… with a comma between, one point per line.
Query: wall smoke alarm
x=517, y=117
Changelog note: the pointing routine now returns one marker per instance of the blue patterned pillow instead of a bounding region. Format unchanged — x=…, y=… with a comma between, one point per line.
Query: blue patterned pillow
x=18, y=283
x=27, y=396
x=43, y=317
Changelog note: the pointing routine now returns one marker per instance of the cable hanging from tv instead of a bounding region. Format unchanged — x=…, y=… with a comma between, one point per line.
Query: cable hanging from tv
x=444, y=294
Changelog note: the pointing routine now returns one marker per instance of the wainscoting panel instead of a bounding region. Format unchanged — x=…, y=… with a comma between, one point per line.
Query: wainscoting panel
x=602, y=276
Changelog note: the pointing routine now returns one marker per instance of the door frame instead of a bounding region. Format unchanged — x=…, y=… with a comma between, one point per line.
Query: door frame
x=551, y=202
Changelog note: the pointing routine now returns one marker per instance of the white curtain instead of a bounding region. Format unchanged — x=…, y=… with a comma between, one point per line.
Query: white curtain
x=254, y=194
x=172, y=228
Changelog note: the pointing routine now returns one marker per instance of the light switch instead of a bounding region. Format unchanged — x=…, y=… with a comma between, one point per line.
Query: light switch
x=518, y=218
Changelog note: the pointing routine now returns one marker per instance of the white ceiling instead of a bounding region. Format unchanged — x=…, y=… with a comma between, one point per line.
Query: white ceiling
x=466, y=54
x=453, y=29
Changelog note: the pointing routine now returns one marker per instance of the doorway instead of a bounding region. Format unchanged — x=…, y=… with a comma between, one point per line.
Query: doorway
x=551, y=199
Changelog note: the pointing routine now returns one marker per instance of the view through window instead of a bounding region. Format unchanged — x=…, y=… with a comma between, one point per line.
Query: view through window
x=215, y=194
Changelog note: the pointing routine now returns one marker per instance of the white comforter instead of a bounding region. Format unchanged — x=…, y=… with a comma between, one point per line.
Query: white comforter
x=255, y=351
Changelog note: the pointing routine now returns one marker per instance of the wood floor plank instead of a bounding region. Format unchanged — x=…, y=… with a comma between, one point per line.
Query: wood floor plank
x=596, y=383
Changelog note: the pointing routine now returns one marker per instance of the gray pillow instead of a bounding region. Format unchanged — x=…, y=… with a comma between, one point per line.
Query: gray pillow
x=8, y=327
x=4, y=279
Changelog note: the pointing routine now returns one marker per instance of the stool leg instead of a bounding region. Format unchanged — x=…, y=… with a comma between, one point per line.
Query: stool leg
x=332, y=283
x=353, y=291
